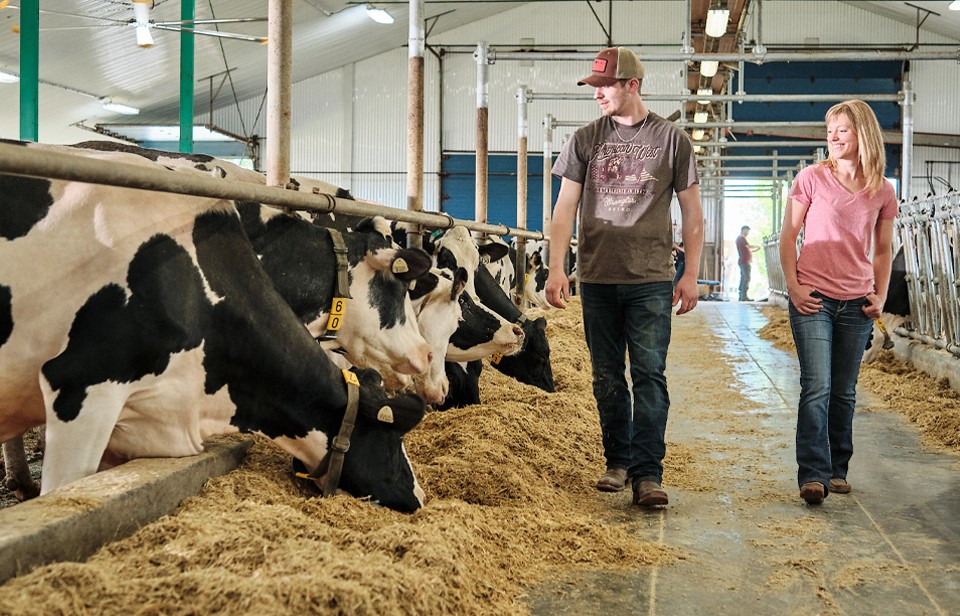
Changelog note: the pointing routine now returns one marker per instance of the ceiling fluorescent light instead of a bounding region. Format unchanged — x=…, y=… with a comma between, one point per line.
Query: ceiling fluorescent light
x=717, y=22
x=109, y=105
x=698, y=134
x=700, y=117
x=705, y=92
x=708, y=68
x=379, y=15
x=6, y=77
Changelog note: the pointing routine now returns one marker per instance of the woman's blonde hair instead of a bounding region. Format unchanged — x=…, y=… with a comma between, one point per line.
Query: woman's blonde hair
x=873, y=158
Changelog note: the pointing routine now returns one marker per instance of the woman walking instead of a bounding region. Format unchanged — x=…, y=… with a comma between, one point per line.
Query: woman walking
x=846, y=209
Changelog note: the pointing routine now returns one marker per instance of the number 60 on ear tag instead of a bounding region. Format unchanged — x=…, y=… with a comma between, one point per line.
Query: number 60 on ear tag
x=336, y=313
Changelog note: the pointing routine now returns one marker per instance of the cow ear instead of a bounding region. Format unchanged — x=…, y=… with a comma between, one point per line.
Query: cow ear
x=494, y=251
x=459, y=283
x=423, y=285
x=410, y=263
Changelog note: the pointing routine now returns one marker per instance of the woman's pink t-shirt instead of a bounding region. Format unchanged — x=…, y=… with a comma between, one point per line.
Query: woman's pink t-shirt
x=838, y=232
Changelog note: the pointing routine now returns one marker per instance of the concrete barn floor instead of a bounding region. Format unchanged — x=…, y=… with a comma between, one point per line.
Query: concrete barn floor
x=749, y=544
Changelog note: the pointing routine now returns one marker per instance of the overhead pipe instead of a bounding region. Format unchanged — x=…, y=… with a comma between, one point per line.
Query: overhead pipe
x=41, y=163
x=766, y=57
x=760, y=144
x=737, y=98
x=769, y=157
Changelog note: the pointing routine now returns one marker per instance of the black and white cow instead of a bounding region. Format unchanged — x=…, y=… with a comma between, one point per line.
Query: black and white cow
x=135, y=324
x=532, y=364
x=379, y=328
x=490, y=333
x=436, y=301
x=896, y=310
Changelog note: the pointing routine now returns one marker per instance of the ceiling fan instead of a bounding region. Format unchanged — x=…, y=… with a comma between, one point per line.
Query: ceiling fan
x=144, y=26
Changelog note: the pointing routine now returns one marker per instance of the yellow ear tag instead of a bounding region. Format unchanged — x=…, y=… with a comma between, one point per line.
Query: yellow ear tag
x=337, y=309
x=385, y=414
x=495, y=358
x=350, y=378
x=400, y=267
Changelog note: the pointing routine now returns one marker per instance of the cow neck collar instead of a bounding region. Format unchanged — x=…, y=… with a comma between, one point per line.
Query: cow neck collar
x=342, y=285
x=332, y=464
x=340, y=251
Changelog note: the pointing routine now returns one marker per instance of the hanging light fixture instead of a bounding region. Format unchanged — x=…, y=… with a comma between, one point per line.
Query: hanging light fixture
x=379, y=15
x=708, y=68
x=141, y=16
x=700, y=117
x=717, y=18
x=697, y=134
x=704, y=92
x=109, y=105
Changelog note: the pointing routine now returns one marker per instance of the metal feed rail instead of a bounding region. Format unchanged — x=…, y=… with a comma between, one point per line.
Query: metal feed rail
x=34, y=162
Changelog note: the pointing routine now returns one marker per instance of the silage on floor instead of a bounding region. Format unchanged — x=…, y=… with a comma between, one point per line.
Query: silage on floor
x=511, y=499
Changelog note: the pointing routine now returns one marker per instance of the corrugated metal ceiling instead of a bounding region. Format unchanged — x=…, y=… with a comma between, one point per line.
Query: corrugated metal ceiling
x=88, y=50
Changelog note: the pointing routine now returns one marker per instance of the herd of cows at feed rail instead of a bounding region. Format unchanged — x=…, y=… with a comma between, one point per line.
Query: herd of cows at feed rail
x=137, y=323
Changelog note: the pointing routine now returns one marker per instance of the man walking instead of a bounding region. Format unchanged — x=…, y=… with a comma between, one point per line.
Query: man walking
x=620, y=173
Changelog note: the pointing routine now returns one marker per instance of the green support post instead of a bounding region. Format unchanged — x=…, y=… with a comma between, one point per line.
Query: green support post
x=187, y=14
x=30, y=70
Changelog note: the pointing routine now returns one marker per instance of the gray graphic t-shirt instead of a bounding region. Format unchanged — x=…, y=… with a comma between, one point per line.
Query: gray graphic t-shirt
x=628, y=178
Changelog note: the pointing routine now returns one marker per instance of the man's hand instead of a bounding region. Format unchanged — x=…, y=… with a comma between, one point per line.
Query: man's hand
x=687, y=293
x=558, y=288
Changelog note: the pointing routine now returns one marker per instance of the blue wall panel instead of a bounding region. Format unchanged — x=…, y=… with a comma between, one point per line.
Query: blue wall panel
x=458, y=188
x=817, y=78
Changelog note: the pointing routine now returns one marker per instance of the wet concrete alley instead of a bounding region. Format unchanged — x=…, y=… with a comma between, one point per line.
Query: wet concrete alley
x=748, y=543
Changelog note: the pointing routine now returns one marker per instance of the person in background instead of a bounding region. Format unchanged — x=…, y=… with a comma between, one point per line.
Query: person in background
x=846, y=210
x=745, y=259
x=619, y=174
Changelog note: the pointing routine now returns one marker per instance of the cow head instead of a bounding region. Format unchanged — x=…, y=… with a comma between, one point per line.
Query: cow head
x=482, y=333
x=376, y=463
x=436, y=300
x=382, y=331
x=532, y=364
x=379, y=328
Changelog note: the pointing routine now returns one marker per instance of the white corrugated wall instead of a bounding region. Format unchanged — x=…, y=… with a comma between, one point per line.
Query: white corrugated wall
x=349, y=125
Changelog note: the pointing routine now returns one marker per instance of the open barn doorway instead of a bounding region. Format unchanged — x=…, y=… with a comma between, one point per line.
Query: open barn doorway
x=747, y=203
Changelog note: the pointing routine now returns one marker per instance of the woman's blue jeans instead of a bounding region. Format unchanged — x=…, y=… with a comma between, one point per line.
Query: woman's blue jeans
x=634, y=319
x=830, y=345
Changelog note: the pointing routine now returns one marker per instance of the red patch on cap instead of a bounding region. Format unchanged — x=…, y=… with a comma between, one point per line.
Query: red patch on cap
x=599, y=65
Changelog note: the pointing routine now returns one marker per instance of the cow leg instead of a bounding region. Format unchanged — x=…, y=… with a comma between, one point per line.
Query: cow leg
x=74, y=448
x=17, y=478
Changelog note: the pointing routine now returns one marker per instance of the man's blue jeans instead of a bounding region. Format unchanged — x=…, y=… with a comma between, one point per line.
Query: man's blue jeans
x=830, y=346
x=634, y=319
